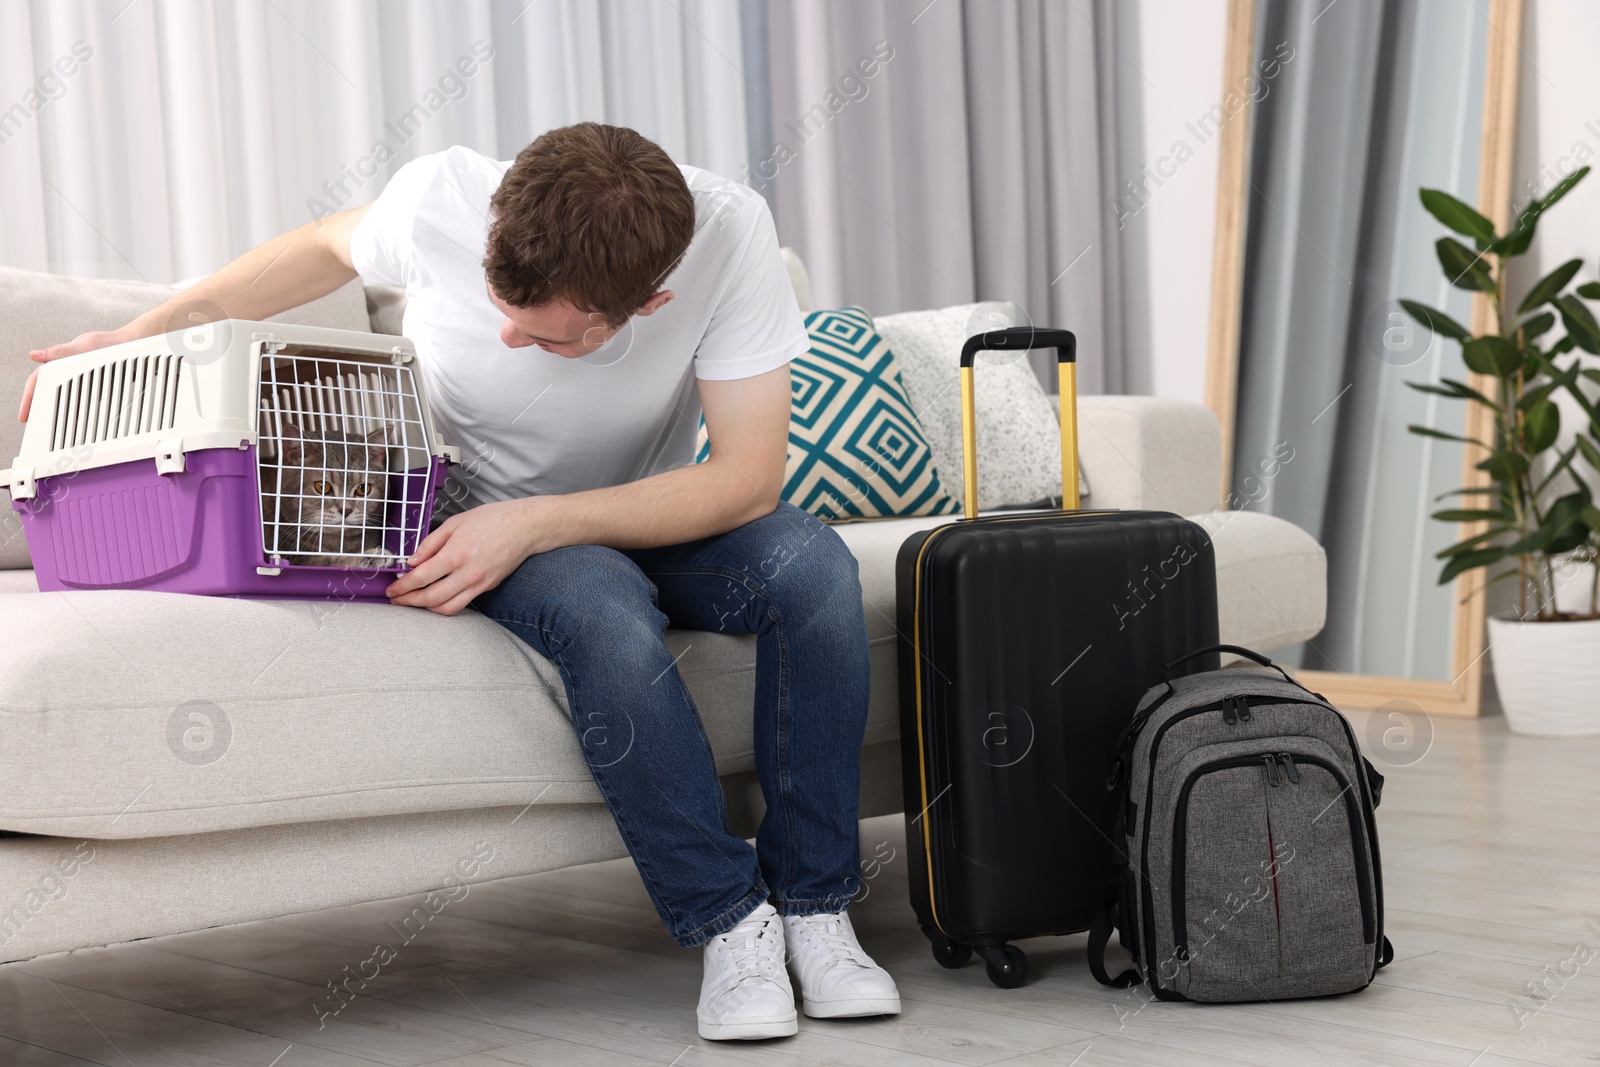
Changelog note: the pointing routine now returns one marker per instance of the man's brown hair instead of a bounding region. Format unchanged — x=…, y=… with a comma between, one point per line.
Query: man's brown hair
x=595, y=215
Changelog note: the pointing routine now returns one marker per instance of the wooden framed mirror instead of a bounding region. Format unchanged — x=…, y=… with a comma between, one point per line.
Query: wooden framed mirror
x=1319, y=231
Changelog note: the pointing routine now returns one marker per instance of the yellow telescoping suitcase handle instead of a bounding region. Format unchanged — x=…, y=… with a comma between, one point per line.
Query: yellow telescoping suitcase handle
x=1014, y=339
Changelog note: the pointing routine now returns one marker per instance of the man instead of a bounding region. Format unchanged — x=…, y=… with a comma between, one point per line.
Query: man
x=574, y=312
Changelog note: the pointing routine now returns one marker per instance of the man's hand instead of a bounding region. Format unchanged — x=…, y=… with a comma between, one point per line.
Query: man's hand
x=84, y=342
x=748, y=422
x=472, y=552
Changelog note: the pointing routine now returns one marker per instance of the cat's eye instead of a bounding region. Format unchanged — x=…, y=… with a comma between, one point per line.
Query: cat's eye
x=363, y=489
x=322, y=488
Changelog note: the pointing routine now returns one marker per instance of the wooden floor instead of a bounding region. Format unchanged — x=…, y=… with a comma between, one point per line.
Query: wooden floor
x=1492, y=858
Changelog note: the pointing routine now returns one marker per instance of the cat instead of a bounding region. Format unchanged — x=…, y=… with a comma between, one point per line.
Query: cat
x=330, y=496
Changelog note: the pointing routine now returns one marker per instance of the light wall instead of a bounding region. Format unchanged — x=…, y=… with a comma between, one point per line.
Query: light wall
x=1169, y=75
x=1558, y=131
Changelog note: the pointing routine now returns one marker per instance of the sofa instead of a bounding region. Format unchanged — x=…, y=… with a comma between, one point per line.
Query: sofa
x=170, y=763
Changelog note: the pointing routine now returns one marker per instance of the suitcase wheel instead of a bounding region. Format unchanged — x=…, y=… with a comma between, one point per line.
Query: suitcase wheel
x=1007, y=965
x=949, y=953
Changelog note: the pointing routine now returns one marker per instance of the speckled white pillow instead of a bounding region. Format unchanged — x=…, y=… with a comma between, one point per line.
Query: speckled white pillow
x=1019, y=439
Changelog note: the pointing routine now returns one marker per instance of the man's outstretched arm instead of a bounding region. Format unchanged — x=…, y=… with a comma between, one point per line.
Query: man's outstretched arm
x=301, y=265
x=747, y=420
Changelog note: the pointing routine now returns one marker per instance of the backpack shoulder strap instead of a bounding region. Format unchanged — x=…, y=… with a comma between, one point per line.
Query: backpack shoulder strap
x=1099, y=937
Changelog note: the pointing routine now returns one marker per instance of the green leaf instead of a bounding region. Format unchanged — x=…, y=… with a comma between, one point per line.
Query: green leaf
x=1502, y=576
x=1539, y=324
x=1580, y=324
x=1435, y=320
x=1589, y=290
x=1536, y=394
x=1493, y=355
x=1582, y=485
x=1591, y=452
x=1429, y=431
x=1476, y=490
x=1564, y=526
x=1562, y=464
x=1456, y=215
x=1568, y=380
x=1504, y=467
x=1562, y=188
x=1435, y=390
x=1470, y=515
x=1548, y=286
x=1453, y=389
x=1563, y=346
x=1558, y=379
x=1467, y=545
x=1541, y=426
x=1517, y=241
x=1464, y=268
x=1591, y=515
x=1466, y=391
x=1470, y=561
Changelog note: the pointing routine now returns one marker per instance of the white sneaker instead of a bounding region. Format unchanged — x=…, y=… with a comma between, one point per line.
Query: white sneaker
x=745, y=994
x=837, y=979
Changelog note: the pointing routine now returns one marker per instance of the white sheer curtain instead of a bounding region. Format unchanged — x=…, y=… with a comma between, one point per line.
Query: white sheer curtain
x=157, y=139
x=976, y=163
x=195, y=129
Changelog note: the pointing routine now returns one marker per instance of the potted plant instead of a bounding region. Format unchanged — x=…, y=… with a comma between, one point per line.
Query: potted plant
x=1536, y=522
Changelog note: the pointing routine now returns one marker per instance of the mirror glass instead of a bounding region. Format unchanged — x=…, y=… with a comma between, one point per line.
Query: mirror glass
x=1370, y=102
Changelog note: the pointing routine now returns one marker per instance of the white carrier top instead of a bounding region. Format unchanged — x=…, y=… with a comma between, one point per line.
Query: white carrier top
x=209, y=387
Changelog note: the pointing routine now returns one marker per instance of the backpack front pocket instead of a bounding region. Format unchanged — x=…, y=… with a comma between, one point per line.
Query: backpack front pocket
x=1324, y=880
x=1224, y=892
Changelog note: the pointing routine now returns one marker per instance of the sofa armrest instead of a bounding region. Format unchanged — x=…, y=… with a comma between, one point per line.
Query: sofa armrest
x=1150, y=453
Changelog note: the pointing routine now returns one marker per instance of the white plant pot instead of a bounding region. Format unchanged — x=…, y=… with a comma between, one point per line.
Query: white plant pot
x=1548, y=675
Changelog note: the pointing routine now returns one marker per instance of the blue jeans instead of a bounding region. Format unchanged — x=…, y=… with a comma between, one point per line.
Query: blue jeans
x=600, y=615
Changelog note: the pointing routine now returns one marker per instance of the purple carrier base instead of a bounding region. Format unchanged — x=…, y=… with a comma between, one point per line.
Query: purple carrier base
x=196, y=531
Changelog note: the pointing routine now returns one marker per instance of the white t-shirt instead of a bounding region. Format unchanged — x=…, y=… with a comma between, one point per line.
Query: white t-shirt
x=530, y=422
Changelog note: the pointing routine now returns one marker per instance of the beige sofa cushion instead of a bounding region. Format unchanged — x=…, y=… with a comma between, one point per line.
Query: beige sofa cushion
x=38, y=310
x=1272, y=579
x=133, y=714
x=129, y=714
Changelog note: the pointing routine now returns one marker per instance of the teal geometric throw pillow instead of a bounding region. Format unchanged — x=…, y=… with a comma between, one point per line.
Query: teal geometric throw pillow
x=856, y=449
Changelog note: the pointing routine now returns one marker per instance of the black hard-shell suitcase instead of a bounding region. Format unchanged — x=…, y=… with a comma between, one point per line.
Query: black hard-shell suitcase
x=1026, y=642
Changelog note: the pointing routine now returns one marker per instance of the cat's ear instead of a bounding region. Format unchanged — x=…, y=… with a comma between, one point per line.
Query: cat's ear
x=293, y=441
x=380, y=437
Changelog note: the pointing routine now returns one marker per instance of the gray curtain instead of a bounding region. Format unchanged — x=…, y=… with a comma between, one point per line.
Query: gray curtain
x=975, y=162
x=1379, y=99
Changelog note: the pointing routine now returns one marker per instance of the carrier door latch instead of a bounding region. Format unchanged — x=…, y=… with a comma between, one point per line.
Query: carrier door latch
x=21, y=482
x=169, y=456
x=270, y=342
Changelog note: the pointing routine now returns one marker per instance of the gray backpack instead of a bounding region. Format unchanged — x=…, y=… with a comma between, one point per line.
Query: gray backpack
x=1249, y=847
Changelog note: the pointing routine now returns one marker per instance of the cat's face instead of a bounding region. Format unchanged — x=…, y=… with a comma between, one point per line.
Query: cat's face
x=334, y=482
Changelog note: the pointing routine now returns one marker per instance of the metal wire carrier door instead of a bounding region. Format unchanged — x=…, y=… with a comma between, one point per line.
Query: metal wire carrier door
x=343, y=461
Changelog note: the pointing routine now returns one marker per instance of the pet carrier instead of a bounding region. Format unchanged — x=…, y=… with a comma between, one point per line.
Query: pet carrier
x=238, y=458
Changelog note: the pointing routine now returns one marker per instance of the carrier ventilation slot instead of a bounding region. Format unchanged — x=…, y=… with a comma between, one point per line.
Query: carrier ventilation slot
x=118, y=399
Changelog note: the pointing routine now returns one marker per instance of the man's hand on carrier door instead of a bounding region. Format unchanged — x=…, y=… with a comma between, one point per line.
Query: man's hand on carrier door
x=472, y=552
